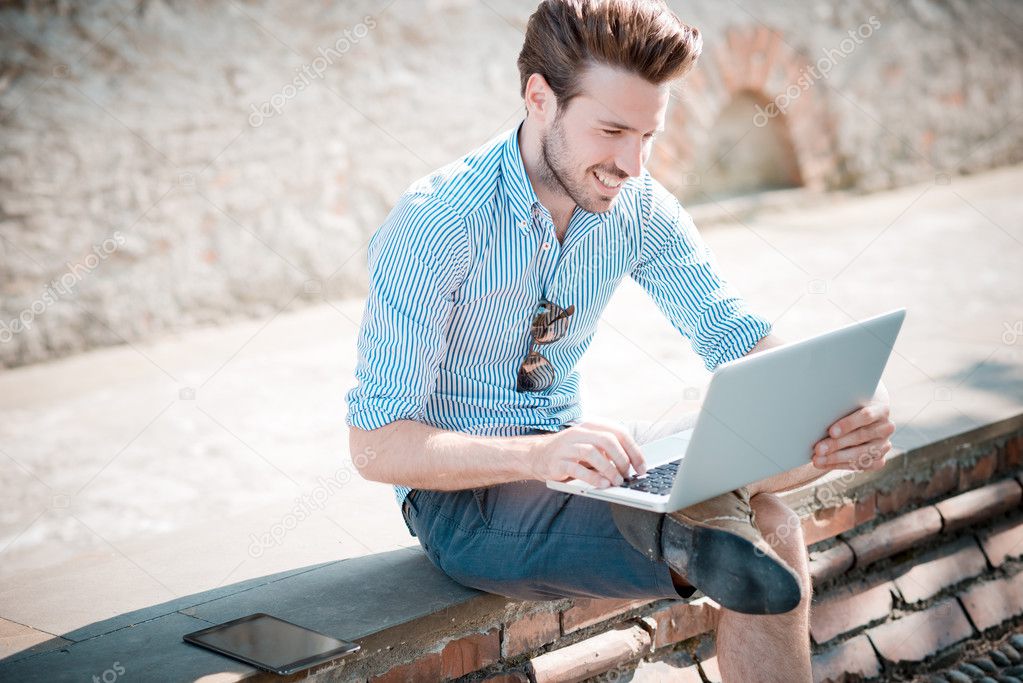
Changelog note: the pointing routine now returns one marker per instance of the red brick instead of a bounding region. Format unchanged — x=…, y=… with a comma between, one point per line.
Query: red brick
x=980, y=472
x=827, y=564
x=939, y=570
x=854, y=656
x=848, y=609
x=759, y=77
x=685, y=620
x=895, y=535
x=739, y=46
x=1003, y=542
x=757, y=63
x=1011, y=455
x=471, y=653
x=530, y=632
x=994, y=602
x=586, y=612
x=943, y=480
x=902, y=496
x=979, y=504
x=426, y=668
x=725, y=69
x=828, y=522
x=866, y=509
x=918, y=635
x=909, y=492
x=592, y=656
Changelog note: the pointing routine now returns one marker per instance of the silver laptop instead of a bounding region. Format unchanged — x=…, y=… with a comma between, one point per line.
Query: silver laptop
x=761, y=416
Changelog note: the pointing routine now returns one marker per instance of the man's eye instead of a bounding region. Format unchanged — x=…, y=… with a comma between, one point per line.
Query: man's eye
x=611, y=132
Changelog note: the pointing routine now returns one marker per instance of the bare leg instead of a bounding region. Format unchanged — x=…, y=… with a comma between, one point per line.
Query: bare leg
x=772, y=647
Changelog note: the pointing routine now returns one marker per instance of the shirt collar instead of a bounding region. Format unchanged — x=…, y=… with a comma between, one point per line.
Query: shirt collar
x=521, y=197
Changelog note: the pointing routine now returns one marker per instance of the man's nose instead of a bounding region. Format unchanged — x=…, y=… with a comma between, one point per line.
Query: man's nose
x=630, y=157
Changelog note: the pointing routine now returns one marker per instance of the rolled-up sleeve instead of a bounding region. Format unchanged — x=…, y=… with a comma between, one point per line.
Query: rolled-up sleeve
x=680, y=273
x=417, y=259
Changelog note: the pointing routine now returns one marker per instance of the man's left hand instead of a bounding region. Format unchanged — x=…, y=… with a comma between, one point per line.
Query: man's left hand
x=860, y=440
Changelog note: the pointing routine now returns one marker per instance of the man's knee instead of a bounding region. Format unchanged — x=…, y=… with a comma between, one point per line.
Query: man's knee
x=780, y=526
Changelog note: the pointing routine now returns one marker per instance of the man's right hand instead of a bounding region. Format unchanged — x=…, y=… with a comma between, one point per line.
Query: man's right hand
x=596, y=452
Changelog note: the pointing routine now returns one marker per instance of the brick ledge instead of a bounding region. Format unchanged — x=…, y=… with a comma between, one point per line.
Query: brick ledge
x=855, y=523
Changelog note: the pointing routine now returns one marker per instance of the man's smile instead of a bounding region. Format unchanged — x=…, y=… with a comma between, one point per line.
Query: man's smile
x=607, y=185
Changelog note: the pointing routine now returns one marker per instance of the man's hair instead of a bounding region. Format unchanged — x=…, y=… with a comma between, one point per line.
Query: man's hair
x=564, y=37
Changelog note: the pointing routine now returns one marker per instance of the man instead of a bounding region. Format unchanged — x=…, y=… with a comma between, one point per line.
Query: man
x=487, y=281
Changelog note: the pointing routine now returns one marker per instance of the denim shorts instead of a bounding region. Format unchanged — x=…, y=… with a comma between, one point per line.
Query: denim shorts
x=529, y=542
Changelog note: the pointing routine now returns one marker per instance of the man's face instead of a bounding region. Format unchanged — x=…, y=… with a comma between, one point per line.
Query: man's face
x=602, y=136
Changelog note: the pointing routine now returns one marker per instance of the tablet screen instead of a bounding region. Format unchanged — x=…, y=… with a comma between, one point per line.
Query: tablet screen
x=271, y=643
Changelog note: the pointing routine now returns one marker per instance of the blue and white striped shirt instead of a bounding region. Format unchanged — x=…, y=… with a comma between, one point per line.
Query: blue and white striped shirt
x=456, y=272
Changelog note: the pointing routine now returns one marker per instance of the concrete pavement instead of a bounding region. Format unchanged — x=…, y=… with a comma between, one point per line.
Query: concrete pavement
x=136, y=475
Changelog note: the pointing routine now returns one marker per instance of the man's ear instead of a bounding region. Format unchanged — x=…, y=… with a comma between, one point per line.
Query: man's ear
x=540, y=100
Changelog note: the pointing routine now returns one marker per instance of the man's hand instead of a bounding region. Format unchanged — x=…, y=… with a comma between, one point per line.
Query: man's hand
x=596, y=452
x=859, y=441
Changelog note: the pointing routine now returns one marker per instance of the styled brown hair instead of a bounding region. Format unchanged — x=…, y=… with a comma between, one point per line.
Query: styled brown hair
x=564, y=37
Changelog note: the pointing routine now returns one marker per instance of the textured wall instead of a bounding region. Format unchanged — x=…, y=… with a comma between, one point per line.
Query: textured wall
x=177, y=164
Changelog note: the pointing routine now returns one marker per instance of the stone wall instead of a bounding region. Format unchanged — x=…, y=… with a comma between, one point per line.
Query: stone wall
x=165, y=165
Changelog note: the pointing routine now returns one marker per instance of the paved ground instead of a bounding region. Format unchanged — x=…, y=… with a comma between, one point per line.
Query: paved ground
x=134, y=475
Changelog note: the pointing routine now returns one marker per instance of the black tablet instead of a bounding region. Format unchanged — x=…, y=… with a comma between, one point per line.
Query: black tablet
x=270, y=643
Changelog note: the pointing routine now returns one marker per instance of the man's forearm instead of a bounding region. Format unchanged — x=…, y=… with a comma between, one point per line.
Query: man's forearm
x=417, y=455
x=792, y=479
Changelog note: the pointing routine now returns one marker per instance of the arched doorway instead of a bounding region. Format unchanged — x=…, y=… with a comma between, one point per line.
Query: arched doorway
x=713, y=119
x=743, y=153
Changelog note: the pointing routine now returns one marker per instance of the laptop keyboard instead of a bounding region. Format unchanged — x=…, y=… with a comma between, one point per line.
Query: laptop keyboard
x=658, y=480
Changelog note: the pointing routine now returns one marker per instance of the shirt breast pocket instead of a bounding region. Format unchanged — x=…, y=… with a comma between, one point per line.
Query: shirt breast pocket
x=475, y=289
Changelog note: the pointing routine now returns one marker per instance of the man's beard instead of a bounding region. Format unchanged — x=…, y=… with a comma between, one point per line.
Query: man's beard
x=556, y=173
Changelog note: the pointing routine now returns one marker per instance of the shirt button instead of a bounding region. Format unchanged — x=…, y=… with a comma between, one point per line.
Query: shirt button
x=546, y=245
x=522, y=224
